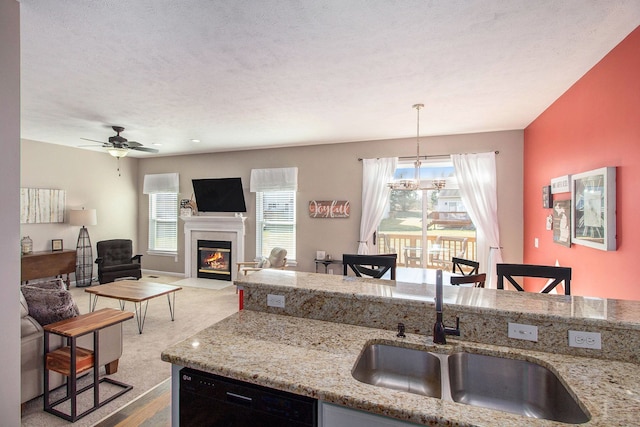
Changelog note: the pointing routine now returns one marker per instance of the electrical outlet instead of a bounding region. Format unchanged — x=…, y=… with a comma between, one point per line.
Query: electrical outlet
x=523, y=332
x=330, y=271
x=583, y=339
x=535, y=242
x=275, y=300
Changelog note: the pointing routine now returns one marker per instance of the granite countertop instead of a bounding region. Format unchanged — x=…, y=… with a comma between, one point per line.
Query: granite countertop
x=314, y=358
x=588, y=310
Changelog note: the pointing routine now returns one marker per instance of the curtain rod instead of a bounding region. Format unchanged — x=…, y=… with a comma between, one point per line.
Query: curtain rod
x=435, y=156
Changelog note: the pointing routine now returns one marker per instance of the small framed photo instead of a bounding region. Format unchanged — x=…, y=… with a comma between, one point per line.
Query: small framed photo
x=546, y=197
x=56, y=245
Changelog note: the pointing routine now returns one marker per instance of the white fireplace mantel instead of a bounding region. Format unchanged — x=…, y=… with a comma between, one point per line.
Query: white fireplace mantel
x=203, y=227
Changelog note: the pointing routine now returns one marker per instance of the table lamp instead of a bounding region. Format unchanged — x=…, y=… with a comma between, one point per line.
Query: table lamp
x=84, y=256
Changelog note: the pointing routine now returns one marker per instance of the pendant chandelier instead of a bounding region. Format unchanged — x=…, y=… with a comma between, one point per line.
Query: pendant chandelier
x=414, y=184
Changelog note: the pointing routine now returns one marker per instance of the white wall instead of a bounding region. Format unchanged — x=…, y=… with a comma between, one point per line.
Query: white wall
x=90, y=180
x=9, y=212
x=333, y=172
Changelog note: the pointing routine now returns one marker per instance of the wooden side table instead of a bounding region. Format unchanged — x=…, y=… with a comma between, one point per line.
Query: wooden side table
x=73, y=360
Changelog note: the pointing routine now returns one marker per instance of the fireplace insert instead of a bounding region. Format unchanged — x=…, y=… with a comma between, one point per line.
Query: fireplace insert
x=214, y=259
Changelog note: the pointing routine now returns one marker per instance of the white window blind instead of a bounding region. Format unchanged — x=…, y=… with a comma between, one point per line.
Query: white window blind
x=163, y=222
x=276, y=222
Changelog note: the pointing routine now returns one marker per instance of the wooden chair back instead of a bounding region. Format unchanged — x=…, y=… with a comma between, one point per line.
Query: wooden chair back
x=374, y=266
x=470, y=267
x=555, y=274
x=477, y=280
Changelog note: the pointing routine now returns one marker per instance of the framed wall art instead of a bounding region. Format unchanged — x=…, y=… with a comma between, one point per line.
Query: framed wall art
x=561, y=222
x=593, y=196
x=41, y=205
x=56, y=245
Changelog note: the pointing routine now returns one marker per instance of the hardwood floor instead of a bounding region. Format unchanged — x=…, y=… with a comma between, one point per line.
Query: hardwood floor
x=152, y=409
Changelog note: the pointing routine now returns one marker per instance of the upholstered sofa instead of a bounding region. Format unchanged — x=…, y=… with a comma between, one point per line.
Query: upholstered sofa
x=32, y=351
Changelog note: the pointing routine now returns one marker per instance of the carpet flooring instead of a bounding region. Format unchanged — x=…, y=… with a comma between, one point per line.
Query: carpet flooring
x=140, y=364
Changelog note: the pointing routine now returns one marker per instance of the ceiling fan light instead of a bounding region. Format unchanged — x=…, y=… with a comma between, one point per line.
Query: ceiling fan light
x=117, y=152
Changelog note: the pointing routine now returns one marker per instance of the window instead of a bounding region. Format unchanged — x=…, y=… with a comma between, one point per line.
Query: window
x=276, y=222
x=163, y=222
x=431, y=218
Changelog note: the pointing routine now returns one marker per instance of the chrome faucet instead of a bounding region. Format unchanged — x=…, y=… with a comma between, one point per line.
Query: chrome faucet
x=440, y=332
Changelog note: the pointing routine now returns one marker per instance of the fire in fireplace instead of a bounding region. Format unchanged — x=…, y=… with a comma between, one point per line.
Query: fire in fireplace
x=214, y=259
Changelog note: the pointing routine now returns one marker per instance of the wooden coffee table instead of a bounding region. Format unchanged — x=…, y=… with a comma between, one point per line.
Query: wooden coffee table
x=136, y=291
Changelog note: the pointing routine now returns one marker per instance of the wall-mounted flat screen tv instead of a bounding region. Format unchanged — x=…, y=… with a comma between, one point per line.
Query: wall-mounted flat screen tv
x=219, y=195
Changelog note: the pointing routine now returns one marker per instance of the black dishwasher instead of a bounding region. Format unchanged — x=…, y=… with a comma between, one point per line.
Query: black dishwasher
x=214, y=401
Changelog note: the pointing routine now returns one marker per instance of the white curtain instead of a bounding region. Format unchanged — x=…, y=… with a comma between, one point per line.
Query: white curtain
x=476, y=175
x=161, y=183
x=376, y=175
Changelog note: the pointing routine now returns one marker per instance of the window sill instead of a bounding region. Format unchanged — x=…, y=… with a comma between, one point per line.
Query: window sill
x=162, y=253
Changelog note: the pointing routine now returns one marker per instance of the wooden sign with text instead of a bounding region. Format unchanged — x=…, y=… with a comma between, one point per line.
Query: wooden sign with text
x=329, y=209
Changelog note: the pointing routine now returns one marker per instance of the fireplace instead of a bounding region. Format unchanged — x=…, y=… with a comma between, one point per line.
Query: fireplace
x=217, y=228
x=214, y=259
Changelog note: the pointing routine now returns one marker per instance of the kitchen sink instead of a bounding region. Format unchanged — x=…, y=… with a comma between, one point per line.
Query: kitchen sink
x=400, y=368
x=511, y=385
x=493, y=382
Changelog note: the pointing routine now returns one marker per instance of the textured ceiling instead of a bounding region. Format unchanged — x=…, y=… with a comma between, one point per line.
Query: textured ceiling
x=241, y=74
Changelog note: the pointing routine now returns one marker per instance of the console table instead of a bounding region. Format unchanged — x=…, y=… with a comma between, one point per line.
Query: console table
x=326, y=263
x=37, y=265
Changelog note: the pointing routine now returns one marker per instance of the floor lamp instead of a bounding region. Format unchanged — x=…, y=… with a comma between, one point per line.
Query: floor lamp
x=84, y=257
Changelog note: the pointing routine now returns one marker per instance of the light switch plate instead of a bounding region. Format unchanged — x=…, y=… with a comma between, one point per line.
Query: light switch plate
x=520, y=331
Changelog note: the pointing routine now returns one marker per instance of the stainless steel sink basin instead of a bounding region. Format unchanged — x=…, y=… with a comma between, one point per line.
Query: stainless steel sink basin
x=399, y=368
x=509, y=385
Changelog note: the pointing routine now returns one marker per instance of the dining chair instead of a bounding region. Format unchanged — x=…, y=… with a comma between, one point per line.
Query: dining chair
x=471, y=267
x=556, y=275
x=477, y=280
x=374, y=266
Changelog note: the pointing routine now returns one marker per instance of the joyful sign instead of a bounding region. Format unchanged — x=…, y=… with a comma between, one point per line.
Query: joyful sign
x=329, y=209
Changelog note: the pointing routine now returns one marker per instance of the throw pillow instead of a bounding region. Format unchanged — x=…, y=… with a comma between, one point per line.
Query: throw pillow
x=277, y=257
x=49, y=305
x=56, y=284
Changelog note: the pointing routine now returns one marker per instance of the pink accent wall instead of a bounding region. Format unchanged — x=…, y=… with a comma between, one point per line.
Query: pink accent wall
x=596, y=123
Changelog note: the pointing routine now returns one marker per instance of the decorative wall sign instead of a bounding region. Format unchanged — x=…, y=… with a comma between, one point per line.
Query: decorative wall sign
x=561, y=184
x=329, y=209
x=593, y=196
x=40, y=205
x=546, y=196
x=562, y=222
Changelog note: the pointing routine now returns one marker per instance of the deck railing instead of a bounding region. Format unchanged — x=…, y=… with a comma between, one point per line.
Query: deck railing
x=410, y=253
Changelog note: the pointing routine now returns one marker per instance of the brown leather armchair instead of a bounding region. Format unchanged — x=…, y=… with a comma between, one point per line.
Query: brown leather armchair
x=115, y=260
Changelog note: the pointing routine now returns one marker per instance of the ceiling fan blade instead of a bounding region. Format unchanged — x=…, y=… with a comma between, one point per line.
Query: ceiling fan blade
x=148, y=150
x=132, y=144
x=95, y=146
x=93, y=140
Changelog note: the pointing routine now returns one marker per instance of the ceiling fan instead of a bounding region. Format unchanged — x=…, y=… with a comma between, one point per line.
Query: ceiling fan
x=118, y=146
